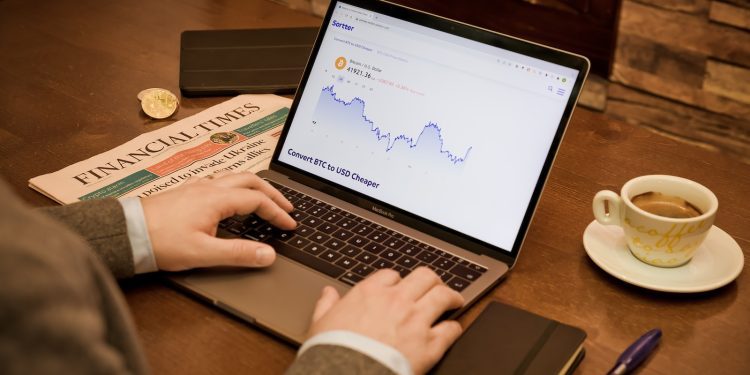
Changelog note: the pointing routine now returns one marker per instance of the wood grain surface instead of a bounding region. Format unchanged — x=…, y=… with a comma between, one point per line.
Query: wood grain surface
x=69, y=75
x=693, y=53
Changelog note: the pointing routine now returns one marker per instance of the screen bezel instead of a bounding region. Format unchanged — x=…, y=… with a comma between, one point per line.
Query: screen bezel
x=508, y=256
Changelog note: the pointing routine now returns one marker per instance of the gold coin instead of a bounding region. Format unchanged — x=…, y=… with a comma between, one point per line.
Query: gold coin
x=146, y=91
x=159, y=103
x=340, y=62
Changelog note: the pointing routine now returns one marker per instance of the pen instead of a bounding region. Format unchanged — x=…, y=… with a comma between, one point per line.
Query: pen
x=636, y=352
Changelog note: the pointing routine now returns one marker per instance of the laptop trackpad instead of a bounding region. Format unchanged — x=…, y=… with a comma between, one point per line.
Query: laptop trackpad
x=280, y=298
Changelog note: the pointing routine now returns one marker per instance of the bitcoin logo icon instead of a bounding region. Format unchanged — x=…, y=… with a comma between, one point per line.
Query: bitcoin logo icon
x=341, y=63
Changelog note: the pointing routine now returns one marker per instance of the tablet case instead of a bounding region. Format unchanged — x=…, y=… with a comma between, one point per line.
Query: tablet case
x=508, y=340
x=231, y=62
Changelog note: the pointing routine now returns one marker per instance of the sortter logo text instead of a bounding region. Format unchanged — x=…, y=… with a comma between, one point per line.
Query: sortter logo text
x=342, y=25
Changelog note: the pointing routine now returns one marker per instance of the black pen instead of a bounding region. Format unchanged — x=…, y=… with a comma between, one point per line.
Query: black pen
x=636, y=352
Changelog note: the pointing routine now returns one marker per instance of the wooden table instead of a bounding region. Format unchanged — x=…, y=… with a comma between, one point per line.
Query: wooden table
x=69, y=75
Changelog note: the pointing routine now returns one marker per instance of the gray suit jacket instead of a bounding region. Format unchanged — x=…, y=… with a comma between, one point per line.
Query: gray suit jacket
x=62, y=312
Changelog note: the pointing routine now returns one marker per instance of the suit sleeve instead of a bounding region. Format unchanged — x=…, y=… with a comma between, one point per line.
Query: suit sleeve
x=333, y=359
x=102, y=224
x=61, y=311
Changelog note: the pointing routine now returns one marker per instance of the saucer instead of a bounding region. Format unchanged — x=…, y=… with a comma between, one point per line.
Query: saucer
x=717, y=261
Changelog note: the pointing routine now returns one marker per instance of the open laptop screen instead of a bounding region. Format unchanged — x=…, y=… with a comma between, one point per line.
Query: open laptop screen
x=447, y=128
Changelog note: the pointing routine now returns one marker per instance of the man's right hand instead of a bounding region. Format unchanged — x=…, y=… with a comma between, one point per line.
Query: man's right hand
x=182, y=222
x=397, y=312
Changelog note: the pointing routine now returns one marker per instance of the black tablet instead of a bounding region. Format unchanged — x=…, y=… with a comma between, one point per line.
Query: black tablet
x=231, y=62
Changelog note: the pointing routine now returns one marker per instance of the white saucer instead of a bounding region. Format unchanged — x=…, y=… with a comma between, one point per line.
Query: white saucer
x=716, y=263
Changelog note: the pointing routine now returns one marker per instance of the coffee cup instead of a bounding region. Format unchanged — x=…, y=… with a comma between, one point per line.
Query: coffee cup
x=664, y=218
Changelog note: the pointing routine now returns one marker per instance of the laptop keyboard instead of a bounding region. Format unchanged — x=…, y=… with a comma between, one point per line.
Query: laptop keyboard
x=348, y=247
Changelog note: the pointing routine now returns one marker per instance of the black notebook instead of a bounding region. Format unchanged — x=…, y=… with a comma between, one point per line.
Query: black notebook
x=508, y=340
x=231, y=62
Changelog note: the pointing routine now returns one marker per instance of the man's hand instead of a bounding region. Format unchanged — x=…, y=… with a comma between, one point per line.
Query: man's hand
x=397, y=312
x=182, y=222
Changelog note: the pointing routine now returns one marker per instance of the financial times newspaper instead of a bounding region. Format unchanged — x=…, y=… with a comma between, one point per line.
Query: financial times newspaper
x=239, y=134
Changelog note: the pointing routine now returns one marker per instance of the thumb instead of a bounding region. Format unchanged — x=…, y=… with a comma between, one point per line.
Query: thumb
x=234, y=252
x=328, y=298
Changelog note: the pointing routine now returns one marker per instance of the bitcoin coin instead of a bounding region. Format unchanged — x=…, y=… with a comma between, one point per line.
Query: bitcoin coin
x=341, y=63
x=159, y=103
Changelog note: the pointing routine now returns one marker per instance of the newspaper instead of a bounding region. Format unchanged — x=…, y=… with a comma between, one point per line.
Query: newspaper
x=239, y=134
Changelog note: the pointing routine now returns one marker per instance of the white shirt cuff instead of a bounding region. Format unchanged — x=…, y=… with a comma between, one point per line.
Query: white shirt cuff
x=385, y=354
x=143, y=254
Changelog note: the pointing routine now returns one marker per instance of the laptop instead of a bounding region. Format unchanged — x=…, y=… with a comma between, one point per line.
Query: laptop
x=413, y=140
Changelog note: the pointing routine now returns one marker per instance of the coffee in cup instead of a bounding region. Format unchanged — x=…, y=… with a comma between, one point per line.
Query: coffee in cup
x=664, y=218
x=665, y=205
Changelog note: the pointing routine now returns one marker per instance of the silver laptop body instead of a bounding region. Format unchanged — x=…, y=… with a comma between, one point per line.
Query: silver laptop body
x=439, y=133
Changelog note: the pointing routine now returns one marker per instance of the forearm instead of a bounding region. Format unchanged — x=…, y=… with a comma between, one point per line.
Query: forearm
x=102, y=224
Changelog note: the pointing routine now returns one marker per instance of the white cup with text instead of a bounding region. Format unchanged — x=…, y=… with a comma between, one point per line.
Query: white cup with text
x=664, y=218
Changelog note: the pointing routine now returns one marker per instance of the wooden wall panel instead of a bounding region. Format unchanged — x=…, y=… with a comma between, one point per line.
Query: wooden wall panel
x=730, y=14
x=688, y=6
x=682, y=68
x=668, y=62
x=680, y=92
x=594, y=93
x=685, y=31
x=741, y=3
x=694, y=125
x=728, y=80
